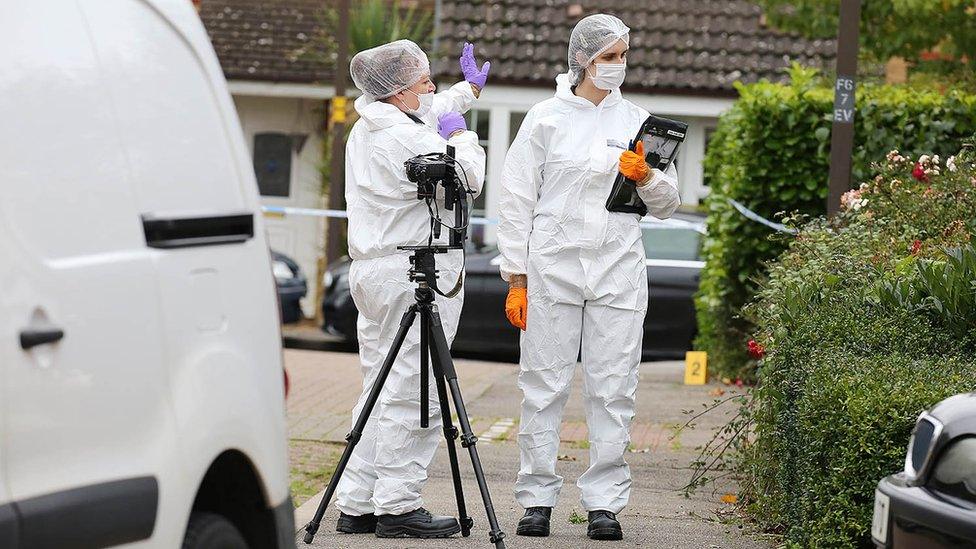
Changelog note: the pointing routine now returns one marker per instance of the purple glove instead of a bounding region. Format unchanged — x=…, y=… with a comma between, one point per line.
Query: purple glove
x=470, y=69
x=449, y=123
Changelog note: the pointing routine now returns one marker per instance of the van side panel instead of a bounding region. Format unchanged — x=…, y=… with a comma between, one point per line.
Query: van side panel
x=186, y=157
x=93, y=407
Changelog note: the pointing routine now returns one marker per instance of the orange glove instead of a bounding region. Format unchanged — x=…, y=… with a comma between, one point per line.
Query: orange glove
x=633, y=165
x=516, y=307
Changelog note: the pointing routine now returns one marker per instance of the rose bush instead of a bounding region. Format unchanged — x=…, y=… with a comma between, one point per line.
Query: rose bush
x=770, y=153
x=867, y=319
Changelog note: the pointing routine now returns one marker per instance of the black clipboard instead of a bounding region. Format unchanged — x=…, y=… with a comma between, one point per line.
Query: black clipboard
x=662, y=137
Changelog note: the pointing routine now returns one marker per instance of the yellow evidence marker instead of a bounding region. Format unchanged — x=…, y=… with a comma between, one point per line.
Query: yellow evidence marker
x=695, y=367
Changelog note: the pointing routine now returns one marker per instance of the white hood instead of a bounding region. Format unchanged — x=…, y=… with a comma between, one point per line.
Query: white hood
x=379, y=115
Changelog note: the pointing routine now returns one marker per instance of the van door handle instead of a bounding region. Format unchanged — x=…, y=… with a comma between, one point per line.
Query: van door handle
x=32, y=337
x=198, y=230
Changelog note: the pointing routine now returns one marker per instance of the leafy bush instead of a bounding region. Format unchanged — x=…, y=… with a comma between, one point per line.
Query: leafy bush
x=770, y=152
x=866, y=320
x=943, y=288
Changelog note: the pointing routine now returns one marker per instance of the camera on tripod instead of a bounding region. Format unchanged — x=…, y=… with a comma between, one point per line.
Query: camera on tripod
x=429, y=171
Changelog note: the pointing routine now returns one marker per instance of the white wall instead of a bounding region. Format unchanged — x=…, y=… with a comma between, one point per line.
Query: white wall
x=299, y=237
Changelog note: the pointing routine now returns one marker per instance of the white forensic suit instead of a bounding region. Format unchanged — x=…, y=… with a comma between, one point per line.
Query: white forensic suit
x=587, y=282
x=389, y=465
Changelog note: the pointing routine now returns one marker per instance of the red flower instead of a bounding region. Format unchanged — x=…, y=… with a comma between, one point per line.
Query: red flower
x=756, y=350
x=916, y=247
x=919, y=173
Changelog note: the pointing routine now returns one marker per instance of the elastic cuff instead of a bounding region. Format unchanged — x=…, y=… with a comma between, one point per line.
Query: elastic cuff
x=653, y=176
x=400, y=509
x=525, y=503
x=460, y=138
x=615, y=509
x=354, y=508
x=464, y=87
x=507, y=275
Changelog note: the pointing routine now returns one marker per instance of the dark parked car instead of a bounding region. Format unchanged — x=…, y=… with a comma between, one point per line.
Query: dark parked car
x=291, y=284
x=673, y=268
x=932, y=503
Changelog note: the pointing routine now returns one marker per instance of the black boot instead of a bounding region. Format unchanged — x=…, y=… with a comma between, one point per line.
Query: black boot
x=603, y=525
x=416, y=524
x=535, y=522
x=352, y=524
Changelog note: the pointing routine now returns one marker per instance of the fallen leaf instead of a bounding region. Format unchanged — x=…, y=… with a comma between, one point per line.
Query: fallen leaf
x=730, y=498
x=716, y=392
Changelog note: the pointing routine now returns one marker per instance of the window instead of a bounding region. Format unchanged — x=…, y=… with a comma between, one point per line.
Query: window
x=514, y=123
x=671, y=243
x=272, y=163
x=709, y=132
x=478, y=122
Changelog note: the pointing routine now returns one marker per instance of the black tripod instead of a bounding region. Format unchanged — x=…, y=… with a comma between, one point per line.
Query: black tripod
x=422, y=271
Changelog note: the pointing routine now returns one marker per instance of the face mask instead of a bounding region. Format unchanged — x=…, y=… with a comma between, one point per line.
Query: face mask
x=426, y=102
x=609, y=76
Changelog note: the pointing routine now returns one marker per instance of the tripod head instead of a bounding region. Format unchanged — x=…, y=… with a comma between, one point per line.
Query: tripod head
x=423, y=268
x=430, y=171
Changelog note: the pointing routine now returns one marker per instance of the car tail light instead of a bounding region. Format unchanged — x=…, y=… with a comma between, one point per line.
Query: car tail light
x=918, y=460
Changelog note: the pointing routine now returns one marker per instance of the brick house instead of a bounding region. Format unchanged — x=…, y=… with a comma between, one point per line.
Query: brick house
x=685, y=57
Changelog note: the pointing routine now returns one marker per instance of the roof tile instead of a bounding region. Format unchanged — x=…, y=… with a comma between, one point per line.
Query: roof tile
x=689, y=46
x=693, y=46
x=265, y=39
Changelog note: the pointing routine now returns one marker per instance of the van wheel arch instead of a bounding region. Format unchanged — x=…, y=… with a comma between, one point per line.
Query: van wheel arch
x=231, y=488
x=207, y=530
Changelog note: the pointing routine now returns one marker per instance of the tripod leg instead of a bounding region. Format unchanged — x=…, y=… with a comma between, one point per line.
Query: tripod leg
x=424, y=375
x=442, y=354
x=357, y=431
x=450, y=433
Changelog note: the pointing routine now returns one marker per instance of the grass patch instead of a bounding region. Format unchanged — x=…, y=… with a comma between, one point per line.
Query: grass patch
x=312, y=463
x=675, y=436
x=576, y=518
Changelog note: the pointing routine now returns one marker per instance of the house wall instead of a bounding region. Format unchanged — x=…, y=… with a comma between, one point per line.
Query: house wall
x=299, y=237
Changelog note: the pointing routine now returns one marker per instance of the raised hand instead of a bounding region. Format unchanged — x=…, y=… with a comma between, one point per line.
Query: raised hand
x=469, y=67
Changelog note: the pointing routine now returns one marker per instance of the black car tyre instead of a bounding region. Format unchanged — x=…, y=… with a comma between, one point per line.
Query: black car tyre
x=212, y=531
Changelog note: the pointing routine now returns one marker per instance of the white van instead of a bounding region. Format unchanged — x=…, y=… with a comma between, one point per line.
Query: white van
x=141, y=380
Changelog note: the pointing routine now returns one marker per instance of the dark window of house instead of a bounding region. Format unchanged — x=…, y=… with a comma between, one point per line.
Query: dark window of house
x=514, y=123
x=272, y=163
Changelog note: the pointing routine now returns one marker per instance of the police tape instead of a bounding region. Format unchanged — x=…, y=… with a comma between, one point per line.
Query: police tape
x=751, y=215
x=650, y=223
x=342, y=214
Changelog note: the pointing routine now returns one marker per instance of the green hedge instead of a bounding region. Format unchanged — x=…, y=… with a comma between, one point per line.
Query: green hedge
x=867, y=320
x=770, y=152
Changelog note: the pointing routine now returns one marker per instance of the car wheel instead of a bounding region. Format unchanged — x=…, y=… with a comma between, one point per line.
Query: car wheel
x=212, y=531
